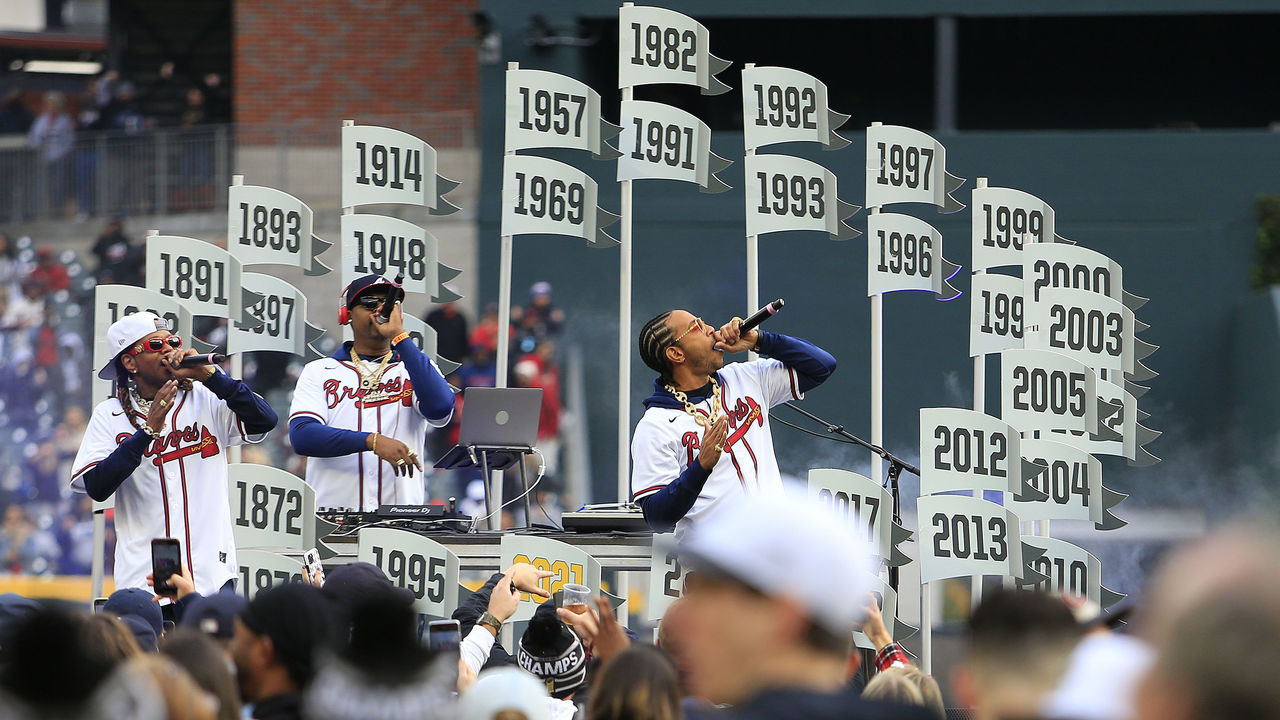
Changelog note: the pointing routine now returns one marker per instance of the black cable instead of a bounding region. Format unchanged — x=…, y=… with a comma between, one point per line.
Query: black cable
x=815, y=434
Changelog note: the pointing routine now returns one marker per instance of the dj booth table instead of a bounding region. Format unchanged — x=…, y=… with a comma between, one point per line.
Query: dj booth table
x=480, y=551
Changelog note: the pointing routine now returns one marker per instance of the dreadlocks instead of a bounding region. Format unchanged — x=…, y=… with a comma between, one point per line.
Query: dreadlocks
x=655, y=338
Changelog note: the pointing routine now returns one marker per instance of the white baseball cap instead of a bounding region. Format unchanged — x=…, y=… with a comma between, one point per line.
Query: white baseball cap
x=507, y=688
x=789, y=548
x=126, y=331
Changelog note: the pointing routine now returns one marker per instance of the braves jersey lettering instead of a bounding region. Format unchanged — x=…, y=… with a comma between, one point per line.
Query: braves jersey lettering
x=329, y=390
x=391, y=391
x=179, y=489
x=667, y=440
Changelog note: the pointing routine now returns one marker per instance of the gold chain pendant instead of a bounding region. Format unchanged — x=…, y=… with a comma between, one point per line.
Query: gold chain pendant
x=705, y=421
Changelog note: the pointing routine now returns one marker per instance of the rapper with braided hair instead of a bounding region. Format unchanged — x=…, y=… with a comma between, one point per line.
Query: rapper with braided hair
x=159, y=447
x=704, y=436
x=655, y=337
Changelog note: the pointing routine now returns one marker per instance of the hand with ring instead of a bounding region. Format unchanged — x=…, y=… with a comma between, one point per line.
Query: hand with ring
x=160, y=405
x=402, y=459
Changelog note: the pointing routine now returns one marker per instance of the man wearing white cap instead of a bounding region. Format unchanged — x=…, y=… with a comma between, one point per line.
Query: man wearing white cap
x=768, y=628
x=159, y=446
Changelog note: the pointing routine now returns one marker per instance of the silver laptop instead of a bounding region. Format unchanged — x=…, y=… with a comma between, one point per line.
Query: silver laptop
x=500, y=417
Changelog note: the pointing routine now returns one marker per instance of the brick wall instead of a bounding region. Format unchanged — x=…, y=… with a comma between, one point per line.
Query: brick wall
x=331, y=59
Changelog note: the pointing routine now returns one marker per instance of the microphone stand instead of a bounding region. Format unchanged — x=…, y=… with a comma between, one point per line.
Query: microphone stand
x=896, y=466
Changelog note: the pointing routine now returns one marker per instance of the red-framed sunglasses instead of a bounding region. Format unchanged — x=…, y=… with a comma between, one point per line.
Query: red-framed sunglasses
x=156, y=344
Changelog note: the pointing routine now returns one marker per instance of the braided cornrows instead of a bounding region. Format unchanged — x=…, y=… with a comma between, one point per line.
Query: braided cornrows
x=655, y=338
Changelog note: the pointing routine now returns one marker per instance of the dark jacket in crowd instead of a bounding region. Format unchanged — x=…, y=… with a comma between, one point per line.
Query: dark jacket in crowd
x=470, y=610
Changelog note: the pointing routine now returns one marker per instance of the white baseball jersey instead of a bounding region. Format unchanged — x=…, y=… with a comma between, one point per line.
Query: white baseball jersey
x=667, y=440
x=329, y=390
x=179, y=489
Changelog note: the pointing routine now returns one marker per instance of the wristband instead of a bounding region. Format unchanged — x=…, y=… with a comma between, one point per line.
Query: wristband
x=402, y=336
x=374, y=449
x=490, y=621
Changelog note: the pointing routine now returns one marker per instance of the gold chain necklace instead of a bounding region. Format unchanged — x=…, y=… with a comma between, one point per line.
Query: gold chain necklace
x=143, y=404
x=699, y=418
x=369, y=380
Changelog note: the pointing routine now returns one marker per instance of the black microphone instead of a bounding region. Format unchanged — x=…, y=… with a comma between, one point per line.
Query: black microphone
x=760, y=316
x=201, y=360
x=394, y=296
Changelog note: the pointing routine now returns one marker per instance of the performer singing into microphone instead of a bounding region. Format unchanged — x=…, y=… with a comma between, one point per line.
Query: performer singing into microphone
x=362, y=414
x=705, y=436
x=159, y=446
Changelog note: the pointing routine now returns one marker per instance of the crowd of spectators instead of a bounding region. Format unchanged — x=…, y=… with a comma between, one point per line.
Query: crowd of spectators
x=532, y=361
x=755, y=635
x=44, y=399
x=75, y=142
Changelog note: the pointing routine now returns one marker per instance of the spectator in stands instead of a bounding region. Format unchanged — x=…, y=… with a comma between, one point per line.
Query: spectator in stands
x=12, y=270
x=540, y=319
x=53, y=134
x=538, y=370
x=119, y=260
x=217, y=98
x=164, y=97
x=1019, y=643
x=640, y=682
x=74, y=535
x=279, y=638
x=769, y=625
x=206, y=664
x=451, y=331
x=131, y=165
x=24, y=548
x=479, y=369
x=484, y=338
x=48, y=275
x=43, y=475
x=14, y=118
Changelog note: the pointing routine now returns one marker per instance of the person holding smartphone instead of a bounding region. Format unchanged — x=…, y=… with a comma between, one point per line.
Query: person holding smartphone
x=159, y=446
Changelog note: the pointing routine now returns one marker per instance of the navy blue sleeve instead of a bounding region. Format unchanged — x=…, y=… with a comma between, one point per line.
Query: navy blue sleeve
x=312, y=438
x=102, y=479
x=812, y=364
x=255, y=414
x=663, y=509
x=470, y=610
x=435, y=397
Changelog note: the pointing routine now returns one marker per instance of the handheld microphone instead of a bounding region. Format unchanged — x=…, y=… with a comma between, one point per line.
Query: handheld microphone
x=395, y=295
x=761, y=315
x=202, y=360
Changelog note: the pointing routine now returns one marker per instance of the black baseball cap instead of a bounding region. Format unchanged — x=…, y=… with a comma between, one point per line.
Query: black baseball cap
x=364, y=284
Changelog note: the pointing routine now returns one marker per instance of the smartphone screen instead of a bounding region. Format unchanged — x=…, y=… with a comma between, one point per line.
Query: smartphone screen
x=166, y=560
x=444, y=634
x=98, y=603
x=311, y=561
